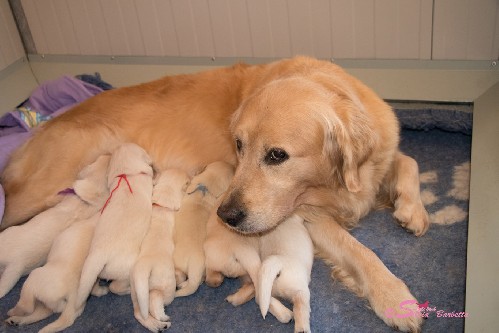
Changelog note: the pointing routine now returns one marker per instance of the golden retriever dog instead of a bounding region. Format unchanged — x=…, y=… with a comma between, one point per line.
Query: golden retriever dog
x=123, y=223
x=303, y=133
x=25, y=247
x=152, y=279
x=190, y=224
x=286, y=268
x=53, y=287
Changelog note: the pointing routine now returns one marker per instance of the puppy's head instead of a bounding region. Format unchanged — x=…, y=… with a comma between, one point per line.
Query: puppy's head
x=293, y=135
x=169, y=188
x=129, y=159
x=216, y=177
x=91, y=185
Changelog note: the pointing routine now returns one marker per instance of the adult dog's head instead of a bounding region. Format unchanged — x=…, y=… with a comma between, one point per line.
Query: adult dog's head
x=294, y=135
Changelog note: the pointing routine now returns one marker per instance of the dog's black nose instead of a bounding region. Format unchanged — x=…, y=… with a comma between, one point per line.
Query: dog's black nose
x=231, y=215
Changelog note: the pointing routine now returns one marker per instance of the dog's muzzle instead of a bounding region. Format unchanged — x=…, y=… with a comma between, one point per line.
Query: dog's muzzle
x=232, y=213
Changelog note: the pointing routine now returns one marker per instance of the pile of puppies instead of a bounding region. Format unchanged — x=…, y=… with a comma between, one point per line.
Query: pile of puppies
x=154, y=236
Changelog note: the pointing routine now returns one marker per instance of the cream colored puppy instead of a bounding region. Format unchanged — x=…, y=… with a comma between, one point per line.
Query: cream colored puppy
x=25, y=247
x=53, y=288
x=231, y=254
x=287, y=253
x=123, y=223
x=152, y=279
x=190, y=224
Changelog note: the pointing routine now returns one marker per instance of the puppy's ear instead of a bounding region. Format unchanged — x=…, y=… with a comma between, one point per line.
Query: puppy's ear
x=216, y=177
x=92, y=185
x=170, y=188
x=350, y=137
x=89, y=191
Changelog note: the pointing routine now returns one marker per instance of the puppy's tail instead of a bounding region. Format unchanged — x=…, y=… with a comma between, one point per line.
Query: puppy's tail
x=195, y=276
x=269, y=271
x=140, y=287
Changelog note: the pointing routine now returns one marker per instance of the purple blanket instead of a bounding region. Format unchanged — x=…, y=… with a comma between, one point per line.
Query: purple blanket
x=49, y=100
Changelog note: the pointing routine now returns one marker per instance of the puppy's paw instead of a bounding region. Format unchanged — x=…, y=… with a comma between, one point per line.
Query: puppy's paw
x=412, y=216
x=99, y=291
x=14, y=321
x=237, y=299
x=180, y=277
x=154, y=325
x=396, y=306
x=213, y=279
x=278, y=310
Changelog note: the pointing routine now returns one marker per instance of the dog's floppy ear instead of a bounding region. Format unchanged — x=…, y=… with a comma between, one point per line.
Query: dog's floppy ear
x=349, y=136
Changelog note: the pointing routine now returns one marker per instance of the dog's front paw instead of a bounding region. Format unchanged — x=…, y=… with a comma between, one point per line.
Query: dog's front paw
x=412, y=216
x=396, y=306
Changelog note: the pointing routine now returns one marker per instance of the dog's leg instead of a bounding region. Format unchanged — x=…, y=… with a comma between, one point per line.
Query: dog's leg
x=91, y=269
x=9, y=278
x=67, y=317
x=195, y=276
x=151, y=323
x=301, y=310
x=404, y=191
x=157, y=305
x=385, y=292
x=243, y=294
x=40, y=312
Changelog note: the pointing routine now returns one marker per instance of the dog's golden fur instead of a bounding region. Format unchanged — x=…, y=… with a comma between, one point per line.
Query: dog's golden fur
x=339, y=141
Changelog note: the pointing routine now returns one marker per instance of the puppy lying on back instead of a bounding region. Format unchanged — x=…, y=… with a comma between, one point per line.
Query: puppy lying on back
x=231, y=254
x=152, y=279
x=287, y=253
x=53, y=287
x=190, y=224
x=123, y=223
x=25, y=247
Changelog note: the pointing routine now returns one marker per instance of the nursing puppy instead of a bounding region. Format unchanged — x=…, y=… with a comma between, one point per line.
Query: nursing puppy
x=53, y=288
x=123, y=223
x=287, y=253
x=231, y=254
x=190, y=224
x=25, y=247
x=152, y=279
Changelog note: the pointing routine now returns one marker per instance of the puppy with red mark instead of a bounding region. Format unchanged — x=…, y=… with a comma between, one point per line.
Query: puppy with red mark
x=123, y=223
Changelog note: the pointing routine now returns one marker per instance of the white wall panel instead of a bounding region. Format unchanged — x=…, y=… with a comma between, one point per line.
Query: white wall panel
x=355, y=29
x=11, y=48
x=466, y=29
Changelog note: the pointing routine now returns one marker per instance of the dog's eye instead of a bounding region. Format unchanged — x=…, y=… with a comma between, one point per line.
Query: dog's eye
x=276, y=156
